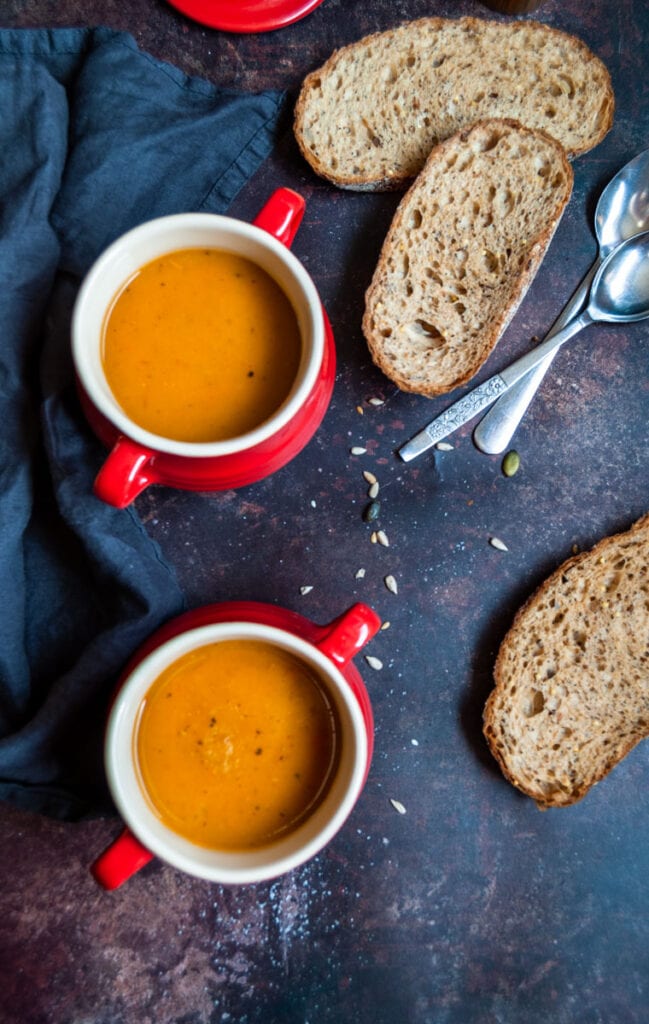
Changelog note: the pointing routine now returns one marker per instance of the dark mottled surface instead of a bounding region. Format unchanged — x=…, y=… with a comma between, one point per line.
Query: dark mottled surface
x=473, y=907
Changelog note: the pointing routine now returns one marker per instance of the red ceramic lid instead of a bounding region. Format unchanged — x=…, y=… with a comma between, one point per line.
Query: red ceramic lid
x=246, y=15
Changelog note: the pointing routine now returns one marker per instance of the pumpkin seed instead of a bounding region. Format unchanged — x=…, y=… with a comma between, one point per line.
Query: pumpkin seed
x=511, y=463
x=369, y=477
x=374, y=490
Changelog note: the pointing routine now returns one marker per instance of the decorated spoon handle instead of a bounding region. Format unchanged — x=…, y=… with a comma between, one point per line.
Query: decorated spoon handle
x=472, y=403
x=496, y=429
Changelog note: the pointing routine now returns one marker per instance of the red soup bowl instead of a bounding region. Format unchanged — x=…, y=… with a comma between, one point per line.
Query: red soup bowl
x=138, y=458
x=327, y=651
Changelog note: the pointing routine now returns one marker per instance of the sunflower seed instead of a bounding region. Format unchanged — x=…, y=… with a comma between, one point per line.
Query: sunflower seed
x=398, y=806
x=373, y=662
x=444, y=446
x=382, y=538
x=357, y=450
x=305, y=590
x=497, y=543
x=369, y=477
x=374, y=490
x=391, y=584
x=360, y=573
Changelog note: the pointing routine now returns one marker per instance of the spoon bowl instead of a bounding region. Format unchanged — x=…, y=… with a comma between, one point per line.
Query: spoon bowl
x=620, y=291
x=623, y=208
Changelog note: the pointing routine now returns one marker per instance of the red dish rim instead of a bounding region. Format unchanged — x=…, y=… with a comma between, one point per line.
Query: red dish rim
x=246, y=15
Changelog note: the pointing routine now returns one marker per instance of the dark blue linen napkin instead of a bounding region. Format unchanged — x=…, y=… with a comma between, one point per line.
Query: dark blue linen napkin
x=95, y=137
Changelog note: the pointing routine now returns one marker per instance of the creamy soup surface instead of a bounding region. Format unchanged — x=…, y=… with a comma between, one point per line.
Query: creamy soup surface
x=201, y=345
x=236, y=743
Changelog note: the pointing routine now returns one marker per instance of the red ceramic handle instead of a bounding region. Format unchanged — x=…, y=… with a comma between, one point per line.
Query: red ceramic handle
x=125, y=473
x=349, y=633
x=282, y=215
x=122, y=859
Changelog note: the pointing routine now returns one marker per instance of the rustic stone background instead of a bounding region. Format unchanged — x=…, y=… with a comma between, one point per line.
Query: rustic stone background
x=473, y=907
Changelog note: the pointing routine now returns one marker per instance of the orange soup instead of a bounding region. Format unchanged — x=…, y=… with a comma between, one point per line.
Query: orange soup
x=200, y=345
x=236, y=744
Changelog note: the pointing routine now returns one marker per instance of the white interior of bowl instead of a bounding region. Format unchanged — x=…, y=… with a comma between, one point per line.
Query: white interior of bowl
x=183, y=231
x=234, y=867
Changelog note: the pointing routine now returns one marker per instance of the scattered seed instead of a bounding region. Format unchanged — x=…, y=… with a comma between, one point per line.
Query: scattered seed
x=375, y=401
x=444, y=446
x=575, y=549
x=359, y=409
x=374, y=537
x=369, y=477
x=374, y=490
x=313, y=504
x=305, y=590
x=511, y=463
x=382, y=538
x=415, y=743
x=398, y=806
x=497, y=543
x=371, y=512
x=373, y=662
x=386, y=624
x=360, y=573
x=357, y=450
x=391, y=584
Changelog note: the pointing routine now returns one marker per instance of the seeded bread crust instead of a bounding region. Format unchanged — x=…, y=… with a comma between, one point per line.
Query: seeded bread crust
x=572, y=675
x=463, y=247
x=369, y=117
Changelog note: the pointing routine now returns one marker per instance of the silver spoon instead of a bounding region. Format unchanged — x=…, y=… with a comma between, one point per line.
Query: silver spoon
x=622, y=211
x=619, y=294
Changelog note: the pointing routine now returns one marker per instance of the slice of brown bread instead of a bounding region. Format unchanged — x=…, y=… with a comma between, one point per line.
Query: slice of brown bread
x=572, y=675
x=369, y=117
x=463, y=247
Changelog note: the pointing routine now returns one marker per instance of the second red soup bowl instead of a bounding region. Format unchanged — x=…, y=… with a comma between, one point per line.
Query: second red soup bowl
x=325, y=651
